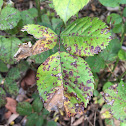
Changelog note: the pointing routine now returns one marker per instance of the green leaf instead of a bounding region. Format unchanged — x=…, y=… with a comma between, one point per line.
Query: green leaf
x=114, y=19
x=3, y=67
x=10, y=84
x=27, y=17
x=9, y=18
x=24, y=108
x=32, y=119
x=111, y=51
x=1, y=4
x=37, y=105
x=69, y=79
x=116, y=97
x=23, y=66
x=107, y=85
x=122, y=124
x=2, y=97
x=122, y=55
x=46, y=21
x=39, y=121
x=11, y=87
x=110, y=3
x=33, y=12
x=124, y=12
x=8, y=47
x=96, y=63
x=51, y=123
x=57, y=24
x=117, y=28
x=122, y=1
x=45, y=112
x=86, y=36
x=13, y=74
x=67, y=8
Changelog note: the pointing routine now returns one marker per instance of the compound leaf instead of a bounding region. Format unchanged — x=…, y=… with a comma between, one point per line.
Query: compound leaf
x=86, y=37
x=8, y=47
x=9, y=18
x=65, y=80
x=115, y=96
x=67, y=8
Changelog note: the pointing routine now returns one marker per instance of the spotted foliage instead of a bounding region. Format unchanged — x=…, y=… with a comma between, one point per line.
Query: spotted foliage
x=115, y=96
x=40, y=32
x=86, y=36
x=67, y=8
x=8, y=47
x=9, y=18
x=65, y=80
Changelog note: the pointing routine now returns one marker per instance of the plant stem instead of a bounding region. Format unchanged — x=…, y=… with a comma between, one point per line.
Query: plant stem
x=117, y=61
x=39, y=10
x=122, y=76
x=123, y=34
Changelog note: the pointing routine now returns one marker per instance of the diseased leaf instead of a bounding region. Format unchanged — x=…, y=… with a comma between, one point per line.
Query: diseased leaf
x=40, y=58
x=24, y=108
x=8, y=47
x=67, y=8
x=65, y=80
x=47, y=40
x=116, y=97
x=86, y=37
x=40, y=32
x=9, y=18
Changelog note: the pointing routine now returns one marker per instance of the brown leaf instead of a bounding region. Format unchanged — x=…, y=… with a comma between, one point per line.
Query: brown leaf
x=28, y=80
x=7, y=115
x=24, y=51
x=55, y=100
x=11, y=105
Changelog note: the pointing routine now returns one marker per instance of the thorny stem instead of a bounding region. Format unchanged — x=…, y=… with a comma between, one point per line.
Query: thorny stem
x=39, y=10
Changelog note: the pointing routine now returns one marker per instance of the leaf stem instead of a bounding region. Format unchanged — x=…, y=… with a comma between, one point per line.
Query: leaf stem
x=121, y=76
x=39, y=10
x=117, y=61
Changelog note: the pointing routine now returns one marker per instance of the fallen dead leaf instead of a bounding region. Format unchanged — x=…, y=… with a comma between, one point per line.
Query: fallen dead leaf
x=11, y=105
x=12, y=118
x=28, y=80
x=7, y=115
